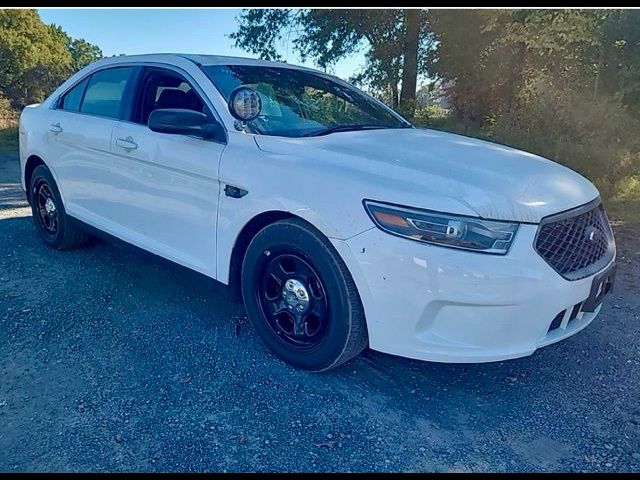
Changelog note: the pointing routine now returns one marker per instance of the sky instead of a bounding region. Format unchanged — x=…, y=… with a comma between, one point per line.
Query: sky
x=132, y=31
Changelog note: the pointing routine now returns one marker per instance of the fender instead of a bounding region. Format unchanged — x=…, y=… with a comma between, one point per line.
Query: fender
x=234, y=217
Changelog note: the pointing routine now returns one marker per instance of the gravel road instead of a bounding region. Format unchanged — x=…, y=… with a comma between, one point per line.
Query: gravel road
x=114, y=361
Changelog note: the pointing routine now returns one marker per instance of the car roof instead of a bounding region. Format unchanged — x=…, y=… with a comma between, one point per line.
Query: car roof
x=213, y=60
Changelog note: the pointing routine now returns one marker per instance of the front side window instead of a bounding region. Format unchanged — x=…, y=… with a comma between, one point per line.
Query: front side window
x=104, y=93
x=165, y=89
x=71, y=100
x=297, y=103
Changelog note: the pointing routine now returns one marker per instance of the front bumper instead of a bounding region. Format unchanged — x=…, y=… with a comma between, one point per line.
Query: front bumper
x=440, y=304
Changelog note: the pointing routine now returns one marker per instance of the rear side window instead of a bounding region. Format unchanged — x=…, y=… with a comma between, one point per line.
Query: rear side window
x=71, y=100
x=105, y=91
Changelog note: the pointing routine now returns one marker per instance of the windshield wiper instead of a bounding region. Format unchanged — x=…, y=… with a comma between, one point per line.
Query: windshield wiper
x=344, y=128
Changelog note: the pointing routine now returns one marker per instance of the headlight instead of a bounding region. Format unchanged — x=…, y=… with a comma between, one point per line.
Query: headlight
x=468, y=233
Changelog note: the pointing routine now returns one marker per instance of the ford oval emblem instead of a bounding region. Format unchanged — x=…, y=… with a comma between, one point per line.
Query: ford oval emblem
x=590, y=233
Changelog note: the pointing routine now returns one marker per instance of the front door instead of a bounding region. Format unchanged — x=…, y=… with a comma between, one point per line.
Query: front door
x=172, y=180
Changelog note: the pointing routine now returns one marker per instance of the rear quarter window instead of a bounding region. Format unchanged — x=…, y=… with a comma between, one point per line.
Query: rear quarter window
x=72, y=99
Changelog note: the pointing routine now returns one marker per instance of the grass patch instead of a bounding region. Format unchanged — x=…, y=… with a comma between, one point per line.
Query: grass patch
x=9, y=141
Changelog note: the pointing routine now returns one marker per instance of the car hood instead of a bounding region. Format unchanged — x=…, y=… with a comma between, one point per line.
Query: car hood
x=483, y=178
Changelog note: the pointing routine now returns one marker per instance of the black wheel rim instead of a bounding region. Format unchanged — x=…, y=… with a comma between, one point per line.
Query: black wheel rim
x=46, y=207
x=297, y=323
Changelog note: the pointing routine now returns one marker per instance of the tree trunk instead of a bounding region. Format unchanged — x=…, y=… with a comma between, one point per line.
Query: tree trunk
x=599, y=69
x=410, y=62
x=393, y=94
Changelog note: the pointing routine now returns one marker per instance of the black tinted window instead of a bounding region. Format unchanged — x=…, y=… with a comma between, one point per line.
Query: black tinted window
x=71, y=100
x=165, y=89
x=104, y=92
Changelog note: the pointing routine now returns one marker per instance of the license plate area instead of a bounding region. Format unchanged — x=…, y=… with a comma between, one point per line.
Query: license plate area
x=602, y=284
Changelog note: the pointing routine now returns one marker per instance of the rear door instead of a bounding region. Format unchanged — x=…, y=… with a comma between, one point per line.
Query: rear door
x=79, y=142
x=172, y=180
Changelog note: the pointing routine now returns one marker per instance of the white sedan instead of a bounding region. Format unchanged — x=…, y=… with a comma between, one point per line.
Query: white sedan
x=340, y=224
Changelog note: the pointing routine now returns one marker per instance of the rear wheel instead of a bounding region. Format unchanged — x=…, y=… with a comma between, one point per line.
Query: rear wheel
x=301, y=297
x=49, y=215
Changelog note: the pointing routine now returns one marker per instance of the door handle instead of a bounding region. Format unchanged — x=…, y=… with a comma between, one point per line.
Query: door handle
x=126, y=143
x=55, y=128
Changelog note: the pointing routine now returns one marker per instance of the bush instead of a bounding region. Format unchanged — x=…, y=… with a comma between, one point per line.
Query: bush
x=8, y=116
x=627, y=189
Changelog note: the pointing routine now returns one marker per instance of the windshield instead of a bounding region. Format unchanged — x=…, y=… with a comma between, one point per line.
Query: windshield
x=297, y=103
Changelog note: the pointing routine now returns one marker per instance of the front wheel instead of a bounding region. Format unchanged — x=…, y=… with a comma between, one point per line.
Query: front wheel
x=301, y=297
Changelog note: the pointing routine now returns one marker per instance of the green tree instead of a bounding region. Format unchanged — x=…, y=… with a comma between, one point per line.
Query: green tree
x=35, y=57
x=83, y=53
x=619, y=59
x=497, y=57
x=31, y=56
x=396, y=43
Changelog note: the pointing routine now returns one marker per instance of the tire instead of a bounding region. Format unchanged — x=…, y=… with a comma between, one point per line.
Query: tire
x=329, y=328
x=53, y=224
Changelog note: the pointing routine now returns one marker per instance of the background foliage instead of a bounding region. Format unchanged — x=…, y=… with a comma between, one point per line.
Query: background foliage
x=34, y=59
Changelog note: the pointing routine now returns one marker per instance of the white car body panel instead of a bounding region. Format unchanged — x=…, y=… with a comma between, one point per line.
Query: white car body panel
x=169, y=185
x=442, y=171
x=421, y=301
x=459, y=306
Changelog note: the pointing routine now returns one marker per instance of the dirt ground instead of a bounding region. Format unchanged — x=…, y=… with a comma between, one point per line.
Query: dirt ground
x=112, y=361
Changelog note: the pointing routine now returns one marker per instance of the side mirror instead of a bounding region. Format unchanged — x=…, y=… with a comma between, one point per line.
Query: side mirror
x=185, y=122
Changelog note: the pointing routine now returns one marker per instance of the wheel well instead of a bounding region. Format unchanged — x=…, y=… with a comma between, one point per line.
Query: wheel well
x=32, y=162
x=247, y=233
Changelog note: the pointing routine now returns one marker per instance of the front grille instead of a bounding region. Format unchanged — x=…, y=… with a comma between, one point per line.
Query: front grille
x=576, y=243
